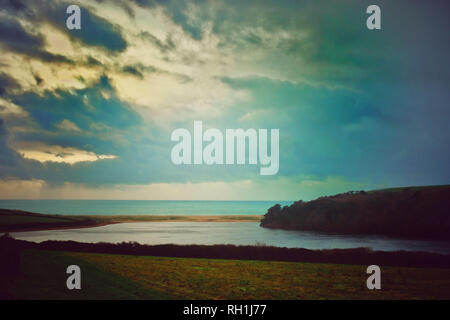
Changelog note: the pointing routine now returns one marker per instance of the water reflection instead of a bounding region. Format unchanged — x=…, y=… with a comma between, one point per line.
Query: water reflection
x=238, y=233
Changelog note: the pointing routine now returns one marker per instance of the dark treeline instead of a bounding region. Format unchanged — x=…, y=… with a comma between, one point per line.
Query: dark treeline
x=361, y=256
x=416, y=212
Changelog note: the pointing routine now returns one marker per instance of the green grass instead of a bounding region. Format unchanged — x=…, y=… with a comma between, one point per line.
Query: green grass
x=106, y=276
x=43, y=276
x=11, y=220
x=18, y=220
x=240, y=279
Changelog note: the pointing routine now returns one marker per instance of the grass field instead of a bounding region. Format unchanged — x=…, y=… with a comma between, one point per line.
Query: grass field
x=42, y=276
x=16, y=220
x=6, y=220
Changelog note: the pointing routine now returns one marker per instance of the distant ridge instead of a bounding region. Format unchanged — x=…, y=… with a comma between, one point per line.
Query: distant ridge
x=395, y=189
x=410, y=212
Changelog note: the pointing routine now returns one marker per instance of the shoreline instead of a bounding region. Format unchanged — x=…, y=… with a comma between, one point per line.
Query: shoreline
x=45, y=228
x=173, y=218
x=39, y=222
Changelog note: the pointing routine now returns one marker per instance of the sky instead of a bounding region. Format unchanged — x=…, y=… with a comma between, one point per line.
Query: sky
x=88, y=114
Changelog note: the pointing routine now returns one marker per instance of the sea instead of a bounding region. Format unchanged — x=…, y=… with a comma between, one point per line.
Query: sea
x=138, y=207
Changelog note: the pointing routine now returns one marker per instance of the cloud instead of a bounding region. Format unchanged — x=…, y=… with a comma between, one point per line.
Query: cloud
x=279, y=189
x=95, y=31
x=164, y=46
x=58, y=154
x=15, y=5
x=350, y=103
x=81, y=107
x=68, y=125
x=15, y=38
x=7, y=83
x=11, y=163
x=9, y=110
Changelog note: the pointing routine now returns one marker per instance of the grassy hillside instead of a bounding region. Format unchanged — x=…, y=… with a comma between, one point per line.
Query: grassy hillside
x=41, y=275
x=413, y=188
x=416, y=212
x=16, y=220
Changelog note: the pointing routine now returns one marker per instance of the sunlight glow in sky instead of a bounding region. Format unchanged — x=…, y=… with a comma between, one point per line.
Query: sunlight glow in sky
x=87, y=114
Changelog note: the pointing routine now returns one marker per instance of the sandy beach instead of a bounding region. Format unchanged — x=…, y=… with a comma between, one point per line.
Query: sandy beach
x=17, y=221
x=168, y=218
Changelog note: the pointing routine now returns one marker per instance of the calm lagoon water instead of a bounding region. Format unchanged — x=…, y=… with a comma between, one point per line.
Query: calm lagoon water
x=238, y=233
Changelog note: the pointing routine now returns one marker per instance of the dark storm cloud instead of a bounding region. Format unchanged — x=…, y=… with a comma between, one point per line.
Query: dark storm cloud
x=14, y=37
x=18, y=8
x=95, y=31
x=139, y=70
x=164, y=46
x=82, y=107
x=14, y=5
x=99, y=119
x=7, y=83
x=11, y=164
x=133, y=70
x=38, y=79
x=90, y=61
